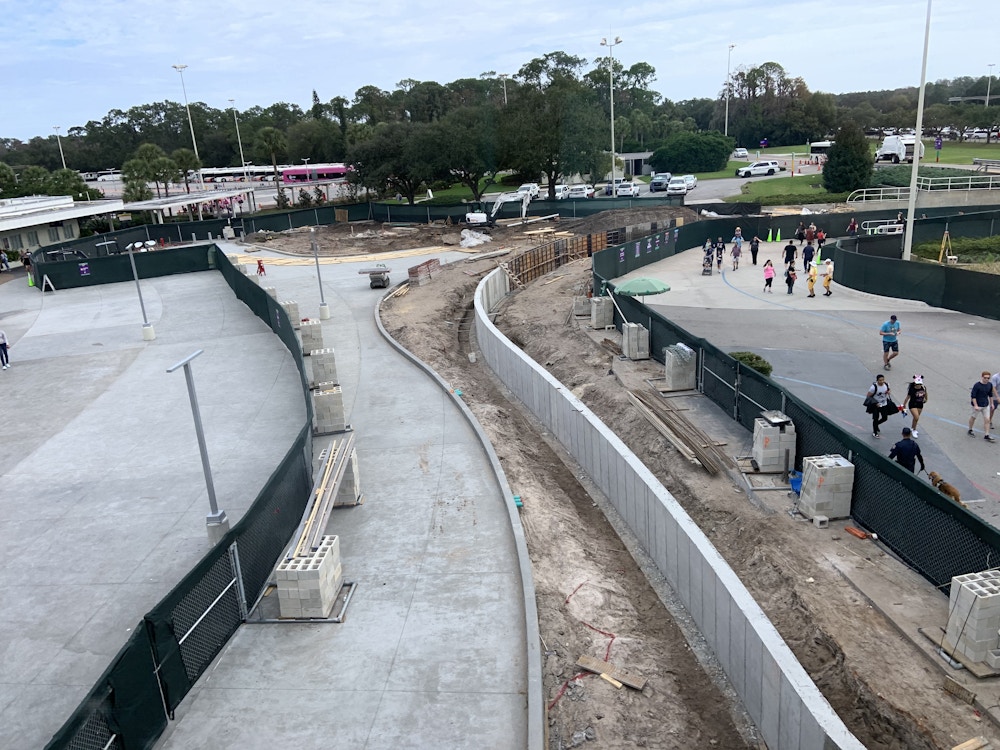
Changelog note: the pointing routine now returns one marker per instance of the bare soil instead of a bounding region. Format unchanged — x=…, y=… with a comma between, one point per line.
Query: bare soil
x=593, y=596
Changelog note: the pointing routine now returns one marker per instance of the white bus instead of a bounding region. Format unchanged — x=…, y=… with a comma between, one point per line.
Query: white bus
x=237, y=174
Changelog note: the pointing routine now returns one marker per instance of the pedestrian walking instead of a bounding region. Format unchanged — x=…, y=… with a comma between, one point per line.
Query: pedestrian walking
x=810, y=233
x=907, y=452
x=890, y=341
x=827, y=276
x=808, y=253
x=800, y=233
x=736, y=252
x=916, y=399
x=852, y=228
x=879, y=404
x=820, y=239
x=994, y=403
x=790, y=276
x=261, y=271
x=754, y=248
x=811, y=279
x=4, y=262
x=982, y=395
x=768, y=275
x=791, y=253
x=720, y=250
x=26, y=262
x=4, y=345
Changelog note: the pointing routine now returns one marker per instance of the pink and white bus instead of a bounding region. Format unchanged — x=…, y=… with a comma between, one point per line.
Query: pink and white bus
x=314, y=173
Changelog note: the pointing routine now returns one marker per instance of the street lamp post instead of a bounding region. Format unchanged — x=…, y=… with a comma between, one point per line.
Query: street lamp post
x=729, y=60
x=239, y=140
x=611, y=87
x=194, y=141
x=503, y=78
x=911, y=205
x=324, y=309
x=62, y=156
x=216, y=521
x=988, y=82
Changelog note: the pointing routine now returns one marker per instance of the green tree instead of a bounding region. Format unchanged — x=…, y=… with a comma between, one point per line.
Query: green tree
x=693, y=152
x=32, y=180
x=271, y=141
x=466, y=145
x=187, y=163
x=849, y=163
x=399, y=157
x=8, y=182
x=136, y=178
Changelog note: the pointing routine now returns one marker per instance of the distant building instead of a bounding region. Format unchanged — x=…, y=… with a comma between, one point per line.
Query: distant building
x=27, y=224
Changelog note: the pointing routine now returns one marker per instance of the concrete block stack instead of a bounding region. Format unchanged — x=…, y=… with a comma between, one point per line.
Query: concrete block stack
x=680, y=368
x=328, y=408
x=974, y=616
x=311, y=332
x=602, y=313
x=350, y=486
x=271, y=292
x=292, y=311
x=771, y=438
x=324, y=367
x=635, y=341
x=581, y=306
x=827, y=486
x=308, y=585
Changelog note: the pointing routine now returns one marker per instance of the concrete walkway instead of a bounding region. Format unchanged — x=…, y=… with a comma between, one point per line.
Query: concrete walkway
x=827, y=350
x=433, y=650
x=103, y=500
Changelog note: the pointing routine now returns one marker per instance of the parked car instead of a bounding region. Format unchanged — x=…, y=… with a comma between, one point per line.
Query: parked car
x=677, y=186
x=691, y=180
x=561, y=191
x=740, y=153
x=770, y=166
x=529, y=187
x=659, y=182
x=580, y=192
x=627, y=190
x=609, y=190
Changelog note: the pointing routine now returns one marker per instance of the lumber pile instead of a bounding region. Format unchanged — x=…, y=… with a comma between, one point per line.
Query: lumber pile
x=693, y=444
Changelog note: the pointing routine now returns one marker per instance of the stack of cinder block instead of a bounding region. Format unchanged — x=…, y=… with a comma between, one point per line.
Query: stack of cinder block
x=350, y=486
x=974, y=616
x=308, y=585
x=680, y=368
x=602, y=313
x=770, y=441
x=581, y=306
x=292, y=311
x=827, y=486
x=324, y=367
x=311, y=332
x=271, y=292
x=423, y=273
x=635, y=341
x=328, y=408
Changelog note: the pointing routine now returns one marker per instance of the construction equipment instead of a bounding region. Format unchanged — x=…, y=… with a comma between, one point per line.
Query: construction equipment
x=378, y=276
x=481, y=219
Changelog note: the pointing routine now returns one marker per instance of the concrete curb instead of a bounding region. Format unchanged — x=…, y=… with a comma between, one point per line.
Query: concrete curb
x=536, y=706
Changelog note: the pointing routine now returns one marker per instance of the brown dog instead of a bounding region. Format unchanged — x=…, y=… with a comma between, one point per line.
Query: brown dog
x=945, y=489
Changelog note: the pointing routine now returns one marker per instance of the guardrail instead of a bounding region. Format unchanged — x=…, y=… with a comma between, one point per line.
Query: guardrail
x=964, y=183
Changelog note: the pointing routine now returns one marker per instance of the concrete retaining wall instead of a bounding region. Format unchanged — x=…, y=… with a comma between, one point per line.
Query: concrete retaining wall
x=777, y=692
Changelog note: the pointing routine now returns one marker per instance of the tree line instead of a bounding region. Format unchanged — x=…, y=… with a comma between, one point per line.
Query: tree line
x=550, y=118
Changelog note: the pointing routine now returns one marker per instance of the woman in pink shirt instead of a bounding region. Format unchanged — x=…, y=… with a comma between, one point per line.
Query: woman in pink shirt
x=768, y=275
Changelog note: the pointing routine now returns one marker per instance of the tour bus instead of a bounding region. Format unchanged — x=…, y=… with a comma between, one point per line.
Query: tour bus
x=314, y=172
x=236, y=174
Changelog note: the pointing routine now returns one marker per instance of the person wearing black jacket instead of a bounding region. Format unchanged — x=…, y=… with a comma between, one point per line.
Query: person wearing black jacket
x=907, y=452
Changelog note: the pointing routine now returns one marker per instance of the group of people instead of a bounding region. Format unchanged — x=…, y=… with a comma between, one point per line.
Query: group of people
x=810, y=234
x=810, y=264
x=718, y=249
x=984, y=396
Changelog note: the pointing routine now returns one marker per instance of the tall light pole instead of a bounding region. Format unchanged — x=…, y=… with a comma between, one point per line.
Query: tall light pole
x=729, y=60
x=611, y=87
x=503, y=78
x=988, y=82
x=324, y=309
x=63, y=156
x=194, y=141
x=911, y=206
x=239, y=140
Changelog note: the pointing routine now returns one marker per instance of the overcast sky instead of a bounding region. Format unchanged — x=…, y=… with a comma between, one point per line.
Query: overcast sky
x=65, y=62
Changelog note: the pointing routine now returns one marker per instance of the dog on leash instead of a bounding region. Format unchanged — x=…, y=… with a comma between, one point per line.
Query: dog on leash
x=945, y=489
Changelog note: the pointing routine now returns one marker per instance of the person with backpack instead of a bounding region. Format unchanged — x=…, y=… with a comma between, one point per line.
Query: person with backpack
x=790, y=276
x=878, y=403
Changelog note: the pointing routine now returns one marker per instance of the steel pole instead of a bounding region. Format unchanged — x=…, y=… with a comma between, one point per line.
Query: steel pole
x=62, y=156
x=911, y=204
x=324, y=309
x=729, y=60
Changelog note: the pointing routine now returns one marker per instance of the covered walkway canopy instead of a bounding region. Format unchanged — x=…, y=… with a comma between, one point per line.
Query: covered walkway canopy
x=196, y=197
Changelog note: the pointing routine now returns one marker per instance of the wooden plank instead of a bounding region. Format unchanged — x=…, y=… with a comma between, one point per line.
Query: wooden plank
x=607, y=668
x=976, y=743
x=959, y=691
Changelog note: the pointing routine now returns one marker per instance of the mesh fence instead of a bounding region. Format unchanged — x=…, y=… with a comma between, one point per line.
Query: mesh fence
x=719, y=379
x=756, y=394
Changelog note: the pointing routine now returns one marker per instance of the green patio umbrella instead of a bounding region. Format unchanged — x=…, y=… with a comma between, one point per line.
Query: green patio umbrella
x=641, y=287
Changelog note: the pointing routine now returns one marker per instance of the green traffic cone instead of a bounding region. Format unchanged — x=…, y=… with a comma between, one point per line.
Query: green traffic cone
x=31, y=281
x=768, y=234
x=778, y=236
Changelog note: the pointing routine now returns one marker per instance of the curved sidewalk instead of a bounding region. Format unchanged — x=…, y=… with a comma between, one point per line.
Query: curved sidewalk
x=434, y=650
x=827, y=350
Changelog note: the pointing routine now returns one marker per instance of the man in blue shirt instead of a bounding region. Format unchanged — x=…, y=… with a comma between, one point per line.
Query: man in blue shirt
x=907, y=452
x=890, y=343
x=982, y=395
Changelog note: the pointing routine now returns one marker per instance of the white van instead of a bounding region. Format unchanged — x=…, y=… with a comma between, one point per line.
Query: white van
x=561, y=191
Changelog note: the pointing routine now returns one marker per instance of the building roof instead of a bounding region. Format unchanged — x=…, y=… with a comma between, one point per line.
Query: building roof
x=39, y=210
x=186, y=199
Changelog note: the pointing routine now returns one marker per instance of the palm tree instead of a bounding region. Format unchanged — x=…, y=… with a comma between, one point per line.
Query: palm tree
x=272, y=142
x=187, y=163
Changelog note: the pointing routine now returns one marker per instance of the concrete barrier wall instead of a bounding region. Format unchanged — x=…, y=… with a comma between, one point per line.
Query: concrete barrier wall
x=777, y=692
